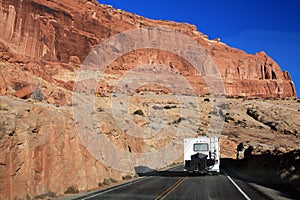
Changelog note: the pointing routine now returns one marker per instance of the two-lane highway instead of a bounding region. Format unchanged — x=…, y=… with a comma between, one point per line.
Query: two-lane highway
x=175, y=184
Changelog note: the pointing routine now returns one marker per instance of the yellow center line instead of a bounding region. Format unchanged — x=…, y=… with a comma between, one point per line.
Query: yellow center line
x=165, y=193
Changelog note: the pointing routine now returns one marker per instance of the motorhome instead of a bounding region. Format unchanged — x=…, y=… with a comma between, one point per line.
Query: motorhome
x=202, y=155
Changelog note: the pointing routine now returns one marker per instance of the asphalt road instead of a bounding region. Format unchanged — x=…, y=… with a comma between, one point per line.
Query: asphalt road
x=175, y=184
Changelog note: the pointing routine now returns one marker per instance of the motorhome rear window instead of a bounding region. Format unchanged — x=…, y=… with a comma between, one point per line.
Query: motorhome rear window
x=201, y=147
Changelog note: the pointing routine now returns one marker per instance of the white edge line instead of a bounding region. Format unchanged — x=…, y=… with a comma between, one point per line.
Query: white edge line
x=240, y=190
x=121, y=186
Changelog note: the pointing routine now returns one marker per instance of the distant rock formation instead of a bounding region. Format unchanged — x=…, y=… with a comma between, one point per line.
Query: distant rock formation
x=66, y=31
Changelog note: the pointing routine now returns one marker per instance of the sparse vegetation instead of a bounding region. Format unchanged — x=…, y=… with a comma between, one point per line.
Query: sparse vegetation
x=107, y=181
x=126, y=177
x=199, y=130
x=113, y=180
x=169, y=107
x=100, y=109
x=206, y=99
x=37, y=93
x=177, y=121
x=100, y=184
x=241, y=123
x=71, y=190
x=228, y=118
x=44, y=195
x=18, y=86
x=139, y=112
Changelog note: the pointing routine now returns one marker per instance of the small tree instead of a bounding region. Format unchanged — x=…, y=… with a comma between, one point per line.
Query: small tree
x=37, y=93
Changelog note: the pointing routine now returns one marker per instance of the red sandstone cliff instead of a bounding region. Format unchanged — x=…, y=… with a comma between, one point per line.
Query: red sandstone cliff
x=65, y=32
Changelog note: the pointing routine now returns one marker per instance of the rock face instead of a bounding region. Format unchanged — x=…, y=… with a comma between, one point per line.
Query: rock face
x=66, y=31
x=41, y=152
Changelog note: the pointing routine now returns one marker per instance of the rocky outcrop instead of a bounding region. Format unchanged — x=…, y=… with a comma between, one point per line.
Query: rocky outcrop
x=66, y=31
x=276, y=118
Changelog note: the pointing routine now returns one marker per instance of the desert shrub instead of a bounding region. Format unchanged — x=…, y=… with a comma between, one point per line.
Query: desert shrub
x=199, y=130
x=37, y=93
x=177, y=121
x=18, y=86
x=169, y=107
x=228, y=118
x=100, y=184
x=127, y=177
x=241, y=123
x=107, y=181
x=206, y=99
x=100, y=109
x=28, y=197
x=113, y=180
x=146, y=104
x=139, y=112
x=47, y=194
x=71, y=190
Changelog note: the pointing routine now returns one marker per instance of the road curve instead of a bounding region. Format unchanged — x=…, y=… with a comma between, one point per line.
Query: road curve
x=175, y=184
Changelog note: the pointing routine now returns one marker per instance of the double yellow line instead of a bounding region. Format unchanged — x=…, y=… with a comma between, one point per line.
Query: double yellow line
x=170, y=189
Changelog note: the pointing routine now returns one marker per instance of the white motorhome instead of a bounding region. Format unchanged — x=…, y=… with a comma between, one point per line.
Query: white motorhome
x=202, y=155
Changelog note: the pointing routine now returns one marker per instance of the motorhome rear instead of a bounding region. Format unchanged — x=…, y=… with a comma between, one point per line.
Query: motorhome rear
x=202, y=155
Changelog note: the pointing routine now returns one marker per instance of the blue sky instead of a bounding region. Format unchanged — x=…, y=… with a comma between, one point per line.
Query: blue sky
x=272, y=26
